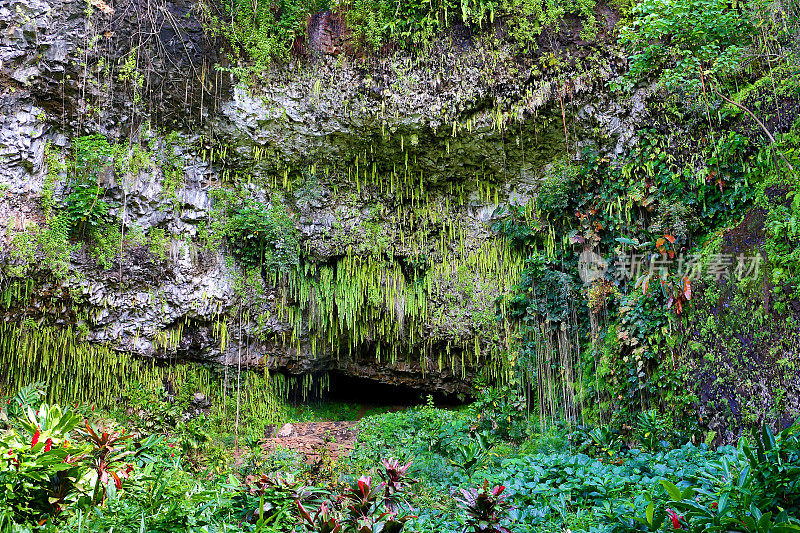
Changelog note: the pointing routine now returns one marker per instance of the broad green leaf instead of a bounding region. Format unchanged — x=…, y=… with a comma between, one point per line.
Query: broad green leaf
x=672, y=489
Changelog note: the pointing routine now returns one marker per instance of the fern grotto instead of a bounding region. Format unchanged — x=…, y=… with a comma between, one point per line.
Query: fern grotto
x=384, y=266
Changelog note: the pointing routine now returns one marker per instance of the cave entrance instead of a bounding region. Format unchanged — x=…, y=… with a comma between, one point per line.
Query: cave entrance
x=365, y=394
x=350, y=389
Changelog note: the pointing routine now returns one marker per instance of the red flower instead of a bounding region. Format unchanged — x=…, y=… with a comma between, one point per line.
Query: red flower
x=35, y=439
x=676, y=520
x=48, y=444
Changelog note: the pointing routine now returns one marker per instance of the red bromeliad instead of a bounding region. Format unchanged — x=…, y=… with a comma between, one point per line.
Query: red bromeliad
x=35, y=439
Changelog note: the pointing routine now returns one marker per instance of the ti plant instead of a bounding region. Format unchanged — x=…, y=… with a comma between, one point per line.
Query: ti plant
x=323, y=521
x=108, y=459
x=363, y=507
x=277, y=496
x=362, y=498
x=485, y=507
x=367, y=512
x=394, y=481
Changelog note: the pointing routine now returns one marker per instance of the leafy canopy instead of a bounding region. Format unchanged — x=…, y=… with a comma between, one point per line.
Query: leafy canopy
x=686, y=41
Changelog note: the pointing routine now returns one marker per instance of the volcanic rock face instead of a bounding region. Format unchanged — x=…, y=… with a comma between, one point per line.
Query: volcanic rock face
x=443, y=123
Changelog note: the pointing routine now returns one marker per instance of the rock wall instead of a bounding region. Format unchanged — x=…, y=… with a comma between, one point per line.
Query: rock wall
x=363, y=152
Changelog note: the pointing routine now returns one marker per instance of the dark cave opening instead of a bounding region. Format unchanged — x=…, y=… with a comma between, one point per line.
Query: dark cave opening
x=368, y=392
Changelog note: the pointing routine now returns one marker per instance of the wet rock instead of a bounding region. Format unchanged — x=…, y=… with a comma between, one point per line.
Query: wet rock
x=328, y=33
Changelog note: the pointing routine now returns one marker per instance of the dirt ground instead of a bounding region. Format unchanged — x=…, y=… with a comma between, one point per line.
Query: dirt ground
x=312, y=439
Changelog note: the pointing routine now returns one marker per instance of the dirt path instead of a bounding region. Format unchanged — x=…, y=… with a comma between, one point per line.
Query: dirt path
x=311, y=439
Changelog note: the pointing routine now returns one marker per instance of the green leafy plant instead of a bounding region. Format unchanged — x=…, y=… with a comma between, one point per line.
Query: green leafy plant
x=680, y=40
x=40, y=468
x=85, y=208
x=502, y=412
x=263, y=235
x=653, y=430
x=775, y=467
x=469, y=457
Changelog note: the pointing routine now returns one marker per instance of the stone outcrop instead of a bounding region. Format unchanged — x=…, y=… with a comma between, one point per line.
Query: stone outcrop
x=460, y=113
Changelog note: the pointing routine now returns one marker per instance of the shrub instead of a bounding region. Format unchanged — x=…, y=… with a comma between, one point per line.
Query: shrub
x=678, y=39
x=757, y=489
x=264, y=236
x=502, y=411
x=85, y=209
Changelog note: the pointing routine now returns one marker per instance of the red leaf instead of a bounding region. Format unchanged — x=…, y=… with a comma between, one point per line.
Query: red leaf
x=90, y=430
x=303, y=513
x=670, y=238
x=687, y=288
x=498, y=490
